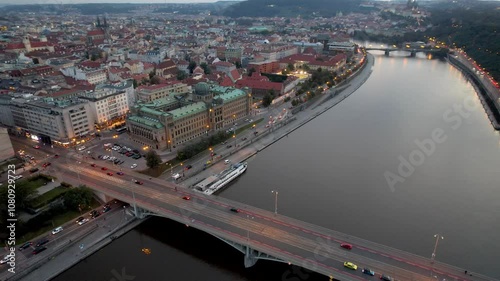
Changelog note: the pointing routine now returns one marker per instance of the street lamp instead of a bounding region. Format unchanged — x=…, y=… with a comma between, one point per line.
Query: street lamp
x=437, y=236
x=275, y=201
x=234, y=137
x=248, y=228
x=169, y=146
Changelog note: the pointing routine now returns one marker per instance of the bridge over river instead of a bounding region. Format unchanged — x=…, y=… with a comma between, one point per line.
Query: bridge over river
x=260, y=234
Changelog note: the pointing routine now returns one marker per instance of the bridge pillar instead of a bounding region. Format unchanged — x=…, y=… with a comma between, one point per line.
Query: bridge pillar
x=250, y=257
x=386, y=53
x=138, y=212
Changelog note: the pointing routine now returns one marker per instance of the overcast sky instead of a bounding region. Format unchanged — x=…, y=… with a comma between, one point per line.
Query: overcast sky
x=3, y=2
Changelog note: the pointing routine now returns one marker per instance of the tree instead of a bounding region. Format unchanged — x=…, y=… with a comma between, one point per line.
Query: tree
x=191, y=66
x=290, y=67
x=144, y=81
x=152, y=74
x=153, y=160
x=155, y=80
x=93, y=57
x=78, y=198
x=181, y=75
x=267, y=100
x=250, y=71
x=205, y=67
x=238, y=64
x=134, y=83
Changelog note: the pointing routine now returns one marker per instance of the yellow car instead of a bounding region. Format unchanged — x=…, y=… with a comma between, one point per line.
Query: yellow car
x=350, y=265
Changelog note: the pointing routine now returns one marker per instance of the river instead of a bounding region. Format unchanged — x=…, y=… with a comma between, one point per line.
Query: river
x=409, y=155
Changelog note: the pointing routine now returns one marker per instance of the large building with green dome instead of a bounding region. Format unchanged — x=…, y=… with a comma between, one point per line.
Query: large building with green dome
x=167, y=122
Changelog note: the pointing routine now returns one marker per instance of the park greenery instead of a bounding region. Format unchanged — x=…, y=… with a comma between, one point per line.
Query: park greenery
x=204, y=144
x=153, y=160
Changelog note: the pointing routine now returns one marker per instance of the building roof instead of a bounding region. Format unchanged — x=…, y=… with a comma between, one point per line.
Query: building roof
x=227, y=94
x=146, y=121
x=188, y=110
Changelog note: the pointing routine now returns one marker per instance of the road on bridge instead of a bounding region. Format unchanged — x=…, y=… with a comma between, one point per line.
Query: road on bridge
x=290, y=240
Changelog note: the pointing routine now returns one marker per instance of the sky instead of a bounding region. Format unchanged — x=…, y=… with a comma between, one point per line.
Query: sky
x=20, y=2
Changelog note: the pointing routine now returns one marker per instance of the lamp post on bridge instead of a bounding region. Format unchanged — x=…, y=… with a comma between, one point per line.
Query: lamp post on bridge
x=437, y=236
x=248, y=230
x=275, y=201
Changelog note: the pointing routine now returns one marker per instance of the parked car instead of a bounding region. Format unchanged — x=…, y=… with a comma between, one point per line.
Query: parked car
x=36, y=147
x=189, y=167
x=227, y=161
x=45, y=165
x=106, y=209
x=25, y=246
x=33, y=170
x=137, y=182
x=120, y=173
x=234, y=210
x=92, y=165
x=94, y=214
x=133, y=166
x=346, y=246
x=79, y=220
x=229, y=146
x=109, y=173
x=83, y=221
x=57, y=230
x=385, y=278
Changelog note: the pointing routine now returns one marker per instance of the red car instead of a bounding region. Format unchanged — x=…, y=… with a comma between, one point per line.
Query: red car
x=346, y=246
x=186, y=198
x=92, y=165
x=138, y=182
x=104, y=168
x=109, y=174
x=45, y=165
x=36, y=146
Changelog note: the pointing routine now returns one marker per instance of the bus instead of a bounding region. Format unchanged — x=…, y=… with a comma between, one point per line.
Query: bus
x=121, y=130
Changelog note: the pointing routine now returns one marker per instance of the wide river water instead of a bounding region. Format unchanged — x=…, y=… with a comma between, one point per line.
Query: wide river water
x=409, y=155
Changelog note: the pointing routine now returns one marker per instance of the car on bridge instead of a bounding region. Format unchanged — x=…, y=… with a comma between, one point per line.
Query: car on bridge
x=120, y=173
x=386, y=278
x=368, y=271
x=109, y=173
x=92, y=165
x=234, y=210
x=104, y=168
x=350, y=265
x=138, y=182
x=79, y=220
x=39, y=250
x=346, y=246
x=186, y=197
x=36, y=147
x=41, y=242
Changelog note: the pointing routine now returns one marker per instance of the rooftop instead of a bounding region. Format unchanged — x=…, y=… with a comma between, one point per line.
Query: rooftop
x=146, y=121
x=188, y=110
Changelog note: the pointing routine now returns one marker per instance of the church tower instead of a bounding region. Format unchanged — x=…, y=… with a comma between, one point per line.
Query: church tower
x=27, y=43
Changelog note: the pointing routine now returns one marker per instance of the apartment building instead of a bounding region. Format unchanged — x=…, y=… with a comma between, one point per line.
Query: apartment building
x=63, y=122
x=108, y=106
x=153, y=92
x=92, y=76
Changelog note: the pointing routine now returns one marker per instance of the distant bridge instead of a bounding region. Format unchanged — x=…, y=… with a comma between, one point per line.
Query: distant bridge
x=412, y=50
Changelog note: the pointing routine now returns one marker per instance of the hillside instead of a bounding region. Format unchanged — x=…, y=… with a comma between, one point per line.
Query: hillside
x=291, y=8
